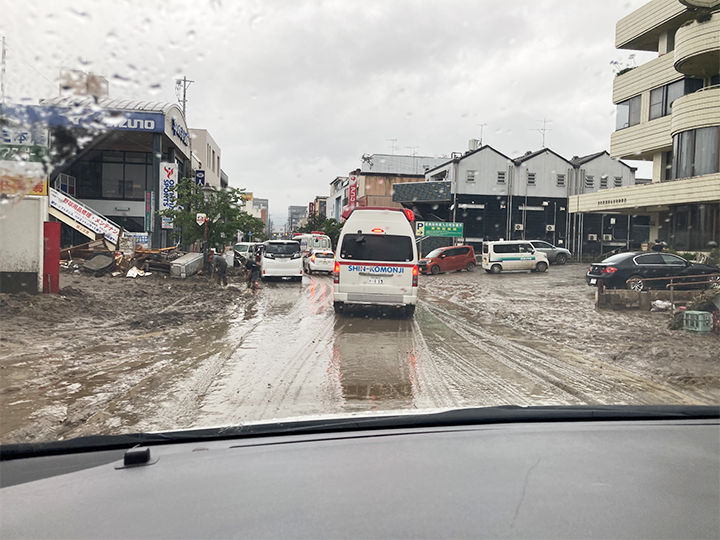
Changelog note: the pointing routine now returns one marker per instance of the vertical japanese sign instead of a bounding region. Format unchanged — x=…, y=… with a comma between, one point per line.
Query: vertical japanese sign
x=150, y=211
x=168, y=179
x=311, y=209
x=352, y=192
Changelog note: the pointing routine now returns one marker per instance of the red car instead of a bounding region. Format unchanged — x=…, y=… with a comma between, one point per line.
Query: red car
x=448, y=259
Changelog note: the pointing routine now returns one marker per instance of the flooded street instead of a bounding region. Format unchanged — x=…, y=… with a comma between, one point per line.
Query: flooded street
x=476, y=340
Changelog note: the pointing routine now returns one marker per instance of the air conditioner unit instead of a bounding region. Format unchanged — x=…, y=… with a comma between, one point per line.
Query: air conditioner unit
x=550, y=228
x=607, y=237
x=519, y=227
x=592, y=237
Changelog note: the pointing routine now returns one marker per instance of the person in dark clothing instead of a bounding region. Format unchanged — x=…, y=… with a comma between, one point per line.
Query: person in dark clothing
x=253, y=272
x=220, y=265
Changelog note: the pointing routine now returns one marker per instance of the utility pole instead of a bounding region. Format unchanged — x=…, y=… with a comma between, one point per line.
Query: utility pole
x=481, y=131
x=181, y=86
x=2, y=74
x=546, y=128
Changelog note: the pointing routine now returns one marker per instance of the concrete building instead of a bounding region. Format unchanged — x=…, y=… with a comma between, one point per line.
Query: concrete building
x=296, y=216
x=338, y=197
x=320, y=205
x=668, y=112
x=207, y=153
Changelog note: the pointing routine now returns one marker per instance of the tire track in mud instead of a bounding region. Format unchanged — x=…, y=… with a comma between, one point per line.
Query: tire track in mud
x=570, y=375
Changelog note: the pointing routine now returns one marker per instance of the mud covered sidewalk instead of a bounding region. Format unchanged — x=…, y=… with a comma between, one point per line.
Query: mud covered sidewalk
x=113, y=331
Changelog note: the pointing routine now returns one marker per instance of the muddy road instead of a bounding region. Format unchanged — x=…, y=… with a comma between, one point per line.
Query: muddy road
x=117, y=355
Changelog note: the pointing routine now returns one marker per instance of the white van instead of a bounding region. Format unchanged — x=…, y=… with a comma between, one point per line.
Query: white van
x=282, y=259
x=512, y=255
x=316, y=240
x=376, y=260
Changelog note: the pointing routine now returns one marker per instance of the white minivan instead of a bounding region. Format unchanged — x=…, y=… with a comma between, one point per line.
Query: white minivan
x=512, y=255
x=281, y=259
x=376, y=260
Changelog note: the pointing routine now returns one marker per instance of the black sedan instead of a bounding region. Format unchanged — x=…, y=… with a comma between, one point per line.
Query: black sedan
x=642, y=268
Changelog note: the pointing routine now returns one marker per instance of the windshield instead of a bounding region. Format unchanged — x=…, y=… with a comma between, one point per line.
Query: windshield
x=168, y=170
x=282, y=249
x=381, y=248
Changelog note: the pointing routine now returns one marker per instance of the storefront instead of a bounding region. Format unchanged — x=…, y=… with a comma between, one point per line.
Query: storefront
x=124, y=163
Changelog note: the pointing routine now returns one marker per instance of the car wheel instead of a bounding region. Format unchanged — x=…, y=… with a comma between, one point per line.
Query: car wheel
x=410, y=310
x=496, y=268
x=470, y=267
x=714, y=280
x=636, y=283
x=339, y=307
x=541, y=266
x=435, y=270
x=561, y=258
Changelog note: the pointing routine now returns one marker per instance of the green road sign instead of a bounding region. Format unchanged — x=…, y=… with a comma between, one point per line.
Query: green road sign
x=438, y=228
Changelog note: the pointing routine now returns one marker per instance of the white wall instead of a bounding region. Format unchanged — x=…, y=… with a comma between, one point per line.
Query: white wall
x=546, y=167
x=603, y=166
x=486, y=163
x=21, y=237
x=203, y=146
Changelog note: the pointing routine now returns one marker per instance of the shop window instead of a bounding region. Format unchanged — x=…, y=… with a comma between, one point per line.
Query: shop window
x=501, y=177
x=628, y=113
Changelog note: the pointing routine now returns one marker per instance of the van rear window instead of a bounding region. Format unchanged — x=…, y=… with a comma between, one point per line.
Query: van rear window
x=376, y=247
x=282, y=249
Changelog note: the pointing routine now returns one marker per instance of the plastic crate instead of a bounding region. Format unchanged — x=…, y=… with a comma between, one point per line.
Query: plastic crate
x=697, y=321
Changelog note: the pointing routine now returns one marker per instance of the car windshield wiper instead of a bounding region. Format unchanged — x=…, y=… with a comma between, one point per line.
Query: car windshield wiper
x=457, y=417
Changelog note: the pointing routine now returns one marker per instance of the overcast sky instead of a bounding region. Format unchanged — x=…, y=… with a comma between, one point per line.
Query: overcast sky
x=295, y=91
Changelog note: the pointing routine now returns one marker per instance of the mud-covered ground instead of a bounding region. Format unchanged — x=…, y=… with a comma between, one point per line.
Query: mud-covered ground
x=111, y=355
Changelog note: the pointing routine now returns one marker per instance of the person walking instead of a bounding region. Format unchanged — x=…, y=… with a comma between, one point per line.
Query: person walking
x=220, y=265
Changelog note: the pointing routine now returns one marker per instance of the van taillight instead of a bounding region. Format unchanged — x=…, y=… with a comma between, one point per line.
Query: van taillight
x=415, y=276
x=336, y=273
x=409, y=214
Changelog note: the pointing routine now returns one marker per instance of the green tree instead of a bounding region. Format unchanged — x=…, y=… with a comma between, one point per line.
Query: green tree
x=225, y=215
x=330, y=227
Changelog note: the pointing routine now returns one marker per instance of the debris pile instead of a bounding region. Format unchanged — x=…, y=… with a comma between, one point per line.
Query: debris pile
x=99, y=257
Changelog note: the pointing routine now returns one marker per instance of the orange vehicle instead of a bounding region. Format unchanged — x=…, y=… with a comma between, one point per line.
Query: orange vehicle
x=448, y=259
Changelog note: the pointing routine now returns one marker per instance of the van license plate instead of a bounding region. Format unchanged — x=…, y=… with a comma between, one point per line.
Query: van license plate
x=375, y=281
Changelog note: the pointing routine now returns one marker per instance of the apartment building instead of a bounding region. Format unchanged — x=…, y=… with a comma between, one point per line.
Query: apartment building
x=206, y=156
x=668, y=112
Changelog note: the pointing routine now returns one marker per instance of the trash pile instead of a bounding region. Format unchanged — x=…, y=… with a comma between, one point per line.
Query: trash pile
x=100, y=258
x=709, y=302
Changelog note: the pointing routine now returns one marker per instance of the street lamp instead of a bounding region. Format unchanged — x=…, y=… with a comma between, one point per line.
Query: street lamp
x=207, y=192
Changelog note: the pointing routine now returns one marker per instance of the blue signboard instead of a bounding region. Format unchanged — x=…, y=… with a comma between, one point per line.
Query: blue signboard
x=200, y=178
x=87, y=118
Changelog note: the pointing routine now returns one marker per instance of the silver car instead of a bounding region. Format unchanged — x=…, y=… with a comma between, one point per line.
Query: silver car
x=554, y=254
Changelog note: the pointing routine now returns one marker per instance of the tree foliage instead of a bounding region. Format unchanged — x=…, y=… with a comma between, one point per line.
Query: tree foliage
x=224, y=211
x=330, y=227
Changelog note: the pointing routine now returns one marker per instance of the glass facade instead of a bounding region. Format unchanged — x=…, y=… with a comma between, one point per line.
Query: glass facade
x=106, y=174
x=690, y=227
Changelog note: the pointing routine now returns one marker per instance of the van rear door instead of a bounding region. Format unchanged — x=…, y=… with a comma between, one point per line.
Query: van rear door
x=376, y=264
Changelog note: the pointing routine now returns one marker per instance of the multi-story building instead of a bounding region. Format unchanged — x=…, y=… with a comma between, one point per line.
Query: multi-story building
x=296, y=217
x=338, y=197
x=320, y=205
x=496, y=196
x=668, y=112
x=207, y=154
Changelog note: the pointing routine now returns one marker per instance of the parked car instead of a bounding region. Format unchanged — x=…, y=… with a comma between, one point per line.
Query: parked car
x=554, y=254
x=638, y=267
x=448, y=259
x=319, y=260
x=513, y=255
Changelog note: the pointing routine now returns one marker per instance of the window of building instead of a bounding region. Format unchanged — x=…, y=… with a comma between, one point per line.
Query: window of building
x=66, y=184
x=589, y=181
x=667, y=161
x=501, y=177
x=661, y=99
x=628, y=113
x=471, y=176
x=618, y=181
x=603, y=182
x=212, y=163
x=531, y=179
x=696, y=152
x=561, y=180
